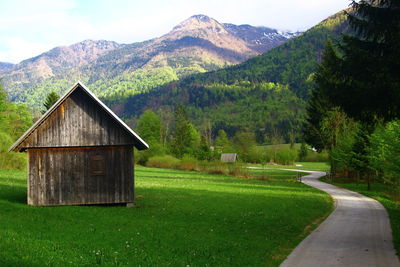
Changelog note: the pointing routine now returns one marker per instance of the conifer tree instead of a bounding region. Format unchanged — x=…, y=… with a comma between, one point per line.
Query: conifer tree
x=185, y=138
x=370, y=78
x=51, y=98
x=326, y=80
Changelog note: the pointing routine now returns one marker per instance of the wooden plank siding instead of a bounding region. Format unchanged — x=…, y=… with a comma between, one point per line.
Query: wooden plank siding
x=80, y=152
x=78, y=122
x=75, y=176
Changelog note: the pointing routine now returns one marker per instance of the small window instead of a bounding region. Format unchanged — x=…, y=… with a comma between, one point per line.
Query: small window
x=97, y=165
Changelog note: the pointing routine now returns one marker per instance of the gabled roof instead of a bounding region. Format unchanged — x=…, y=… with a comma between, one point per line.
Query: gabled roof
x=140, y=143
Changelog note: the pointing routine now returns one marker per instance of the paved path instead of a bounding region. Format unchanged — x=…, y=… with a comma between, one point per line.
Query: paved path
x=357, y=233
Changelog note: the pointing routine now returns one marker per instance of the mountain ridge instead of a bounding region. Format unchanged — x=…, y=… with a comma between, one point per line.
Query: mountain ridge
x=198, y=44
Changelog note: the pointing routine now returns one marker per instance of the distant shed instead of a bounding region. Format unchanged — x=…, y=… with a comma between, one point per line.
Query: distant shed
x=229, y=157
x=80, y=152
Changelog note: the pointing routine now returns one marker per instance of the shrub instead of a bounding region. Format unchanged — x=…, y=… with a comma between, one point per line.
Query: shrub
x=237, y=170
x=156, y=149
x=188, y=163
x=286, y=156
x=10, y=160
x=316, y=157
x=213, y=167
x=384, y=153
x=165, y=161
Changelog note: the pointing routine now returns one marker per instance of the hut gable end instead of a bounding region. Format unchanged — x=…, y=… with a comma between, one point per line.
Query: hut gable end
x=78, y=119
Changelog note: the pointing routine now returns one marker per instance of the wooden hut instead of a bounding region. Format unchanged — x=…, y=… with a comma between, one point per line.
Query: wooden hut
x=80, y=152
x=229, y=157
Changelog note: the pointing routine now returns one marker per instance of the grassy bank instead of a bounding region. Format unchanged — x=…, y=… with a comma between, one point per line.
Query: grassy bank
x=309, y=166
x=383, y=194
x=181, y=219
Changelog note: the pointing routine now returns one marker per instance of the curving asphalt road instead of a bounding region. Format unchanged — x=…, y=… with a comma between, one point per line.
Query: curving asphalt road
x=357, y=233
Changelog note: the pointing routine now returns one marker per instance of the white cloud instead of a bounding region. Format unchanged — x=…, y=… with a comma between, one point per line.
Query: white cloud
x=19, y=49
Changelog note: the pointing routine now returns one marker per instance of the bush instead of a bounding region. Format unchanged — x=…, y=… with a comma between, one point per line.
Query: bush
x=316, y=157
x=237, y=170
x=13, y=160
x=188, y=163
x=166, y=161
x=213, y=167
x=10, y=160
x=286, y=156
x=384, y=152
x=143, y=156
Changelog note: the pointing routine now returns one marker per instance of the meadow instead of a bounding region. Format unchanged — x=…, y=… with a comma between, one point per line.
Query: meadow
x=181, y=218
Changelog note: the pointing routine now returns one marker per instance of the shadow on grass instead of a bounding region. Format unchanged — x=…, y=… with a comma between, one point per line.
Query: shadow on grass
x=15, y=194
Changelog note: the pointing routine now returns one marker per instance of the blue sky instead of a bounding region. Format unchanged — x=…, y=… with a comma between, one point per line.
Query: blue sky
x=31, y=27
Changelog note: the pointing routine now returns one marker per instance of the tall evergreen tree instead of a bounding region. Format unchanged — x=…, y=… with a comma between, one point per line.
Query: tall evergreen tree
x=370, y=62
x=185, y=138
x=326, y=80
x=51, y=98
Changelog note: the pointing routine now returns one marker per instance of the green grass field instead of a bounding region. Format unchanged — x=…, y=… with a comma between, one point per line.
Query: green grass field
x=309, y=166
x=180, y=219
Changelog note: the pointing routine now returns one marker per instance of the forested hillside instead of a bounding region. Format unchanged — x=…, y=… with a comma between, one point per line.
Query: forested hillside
x=264, y=94
x=291, y=63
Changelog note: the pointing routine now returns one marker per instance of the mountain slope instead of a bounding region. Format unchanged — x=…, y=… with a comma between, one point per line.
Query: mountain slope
x=56, y=61
x=196, y=45
x=265, y=94
x=291, y=63
x=5, y=65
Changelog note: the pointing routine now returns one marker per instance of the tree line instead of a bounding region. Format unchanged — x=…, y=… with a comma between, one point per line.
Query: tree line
x=174, y=137
x=354, y=109
x=15, y=119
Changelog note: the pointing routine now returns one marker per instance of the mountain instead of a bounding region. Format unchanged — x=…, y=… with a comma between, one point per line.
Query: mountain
x=291, y=63
x=5, y=65
x=198, y=44
x=56, y=61
x=260, y=39
x=265, y=94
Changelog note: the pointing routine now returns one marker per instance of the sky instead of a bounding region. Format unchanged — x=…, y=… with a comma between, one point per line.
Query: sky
x=31, y=27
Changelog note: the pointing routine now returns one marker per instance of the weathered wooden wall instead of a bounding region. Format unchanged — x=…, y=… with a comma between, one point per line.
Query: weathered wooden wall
x=78, y=122
x=87, y=175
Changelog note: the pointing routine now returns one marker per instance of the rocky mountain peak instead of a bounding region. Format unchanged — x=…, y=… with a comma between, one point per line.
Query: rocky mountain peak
x=199, y=22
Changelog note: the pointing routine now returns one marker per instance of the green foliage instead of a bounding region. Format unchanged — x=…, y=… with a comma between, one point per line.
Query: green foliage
x=319, y=104
x=312, y=156
x=303, y=151
x=367, y=84
x=149, y=127
x=185, y=138
x=244, y=144
x=15, y=119
x=204, y=152
x=384, y=152
x=237, y=107
x=51, y=98
x=136, y=82
x=359, y=78
x=164, y=161
x=343, y=156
